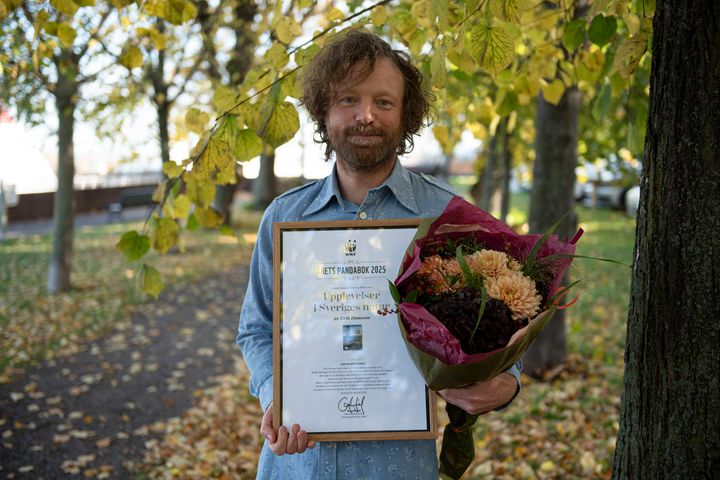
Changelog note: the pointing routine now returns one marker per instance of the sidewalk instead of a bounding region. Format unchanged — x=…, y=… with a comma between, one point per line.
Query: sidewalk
x=32, y=227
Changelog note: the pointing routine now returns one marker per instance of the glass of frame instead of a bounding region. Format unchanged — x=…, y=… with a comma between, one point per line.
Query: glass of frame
x=340, y=368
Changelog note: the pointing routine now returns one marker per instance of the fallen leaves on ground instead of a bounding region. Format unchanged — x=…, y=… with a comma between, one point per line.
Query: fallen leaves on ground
x=36, y=326
x=217, y=438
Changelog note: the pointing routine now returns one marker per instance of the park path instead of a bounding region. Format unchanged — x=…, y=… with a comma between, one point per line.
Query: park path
x=92, y=413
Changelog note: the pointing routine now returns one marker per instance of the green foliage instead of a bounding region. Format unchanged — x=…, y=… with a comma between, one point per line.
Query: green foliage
x=133, y=245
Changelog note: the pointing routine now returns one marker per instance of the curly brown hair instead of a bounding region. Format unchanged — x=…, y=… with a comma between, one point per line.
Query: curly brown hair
x=335, y=62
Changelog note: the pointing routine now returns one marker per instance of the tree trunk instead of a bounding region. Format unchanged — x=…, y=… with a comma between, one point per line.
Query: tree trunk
x=487, y=177
x=670, y=408
x=506, y=160
x=264, y=187
x=551, y=198
x=163, y=113
x=64, y=203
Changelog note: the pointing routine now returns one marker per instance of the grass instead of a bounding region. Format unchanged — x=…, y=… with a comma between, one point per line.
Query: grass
x=36, y=326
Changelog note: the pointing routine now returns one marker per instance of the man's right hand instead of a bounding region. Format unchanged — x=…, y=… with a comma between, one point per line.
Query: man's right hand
x=284, y=442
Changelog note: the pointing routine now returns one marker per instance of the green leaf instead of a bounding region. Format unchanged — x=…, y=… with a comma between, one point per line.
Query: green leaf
x=176, y=12
x=439, y=10
x=133, y=245
x=412, y=297
x=208, y=217
x=131, y=57
x=66, y=34
x=574, y=34
x=469, y=277
x=68, y=7
x=483, y=303
x=282, y=125
x=394, y=292
x=247, y=145
x=602, y=29
x=196, y=120
x=505, y=9
x=437, y=67
x=508, y=104
x=492, y=47
x=602, y=102
x=545, y=236
x=227, y=231
x=148, y=280
x=629, y=53
x=192, y=224
x=164, y=234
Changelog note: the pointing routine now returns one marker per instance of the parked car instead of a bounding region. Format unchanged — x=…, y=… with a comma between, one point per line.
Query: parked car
x=603, y=187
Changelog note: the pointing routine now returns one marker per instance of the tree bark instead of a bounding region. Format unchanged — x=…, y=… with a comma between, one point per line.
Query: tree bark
x=506, y=157
x=670, y=407
x=264, y=187
x=66, y=93
x=551, y=198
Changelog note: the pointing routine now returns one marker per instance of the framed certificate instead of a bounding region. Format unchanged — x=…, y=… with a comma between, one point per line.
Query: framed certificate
x=340, y=368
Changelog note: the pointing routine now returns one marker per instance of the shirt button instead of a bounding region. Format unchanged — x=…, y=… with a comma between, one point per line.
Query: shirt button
x=362, y=215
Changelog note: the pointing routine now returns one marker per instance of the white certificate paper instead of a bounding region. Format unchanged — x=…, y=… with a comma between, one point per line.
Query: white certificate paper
x=343, y=366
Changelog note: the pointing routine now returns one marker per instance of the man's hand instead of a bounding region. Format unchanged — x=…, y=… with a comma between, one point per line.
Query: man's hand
x=482, y=397
x=284, y=442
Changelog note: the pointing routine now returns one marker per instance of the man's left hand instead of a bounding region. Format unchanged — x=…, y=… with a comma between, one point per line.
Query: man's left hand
x=482, y=397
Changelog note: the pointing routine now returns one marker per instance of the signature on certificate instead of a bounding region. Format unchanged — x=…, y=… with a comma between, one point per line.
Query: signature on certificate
x=352, y=405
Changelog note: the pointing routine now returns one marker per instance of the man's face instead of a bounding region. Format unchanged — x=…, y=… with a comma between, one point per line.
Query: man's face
x=364, y=119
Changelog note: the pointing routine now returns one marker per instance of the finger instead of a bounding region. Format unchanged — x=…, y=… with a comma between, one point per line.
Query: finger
x=311, y=444
x=292, y=445
x=266, y=428
x=302, y=441
x=280, y=447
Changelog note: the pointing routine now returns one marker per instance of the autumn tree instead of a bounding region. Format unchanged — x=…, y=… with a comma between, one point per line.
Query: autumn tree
x=46, y=53
x=670, y=408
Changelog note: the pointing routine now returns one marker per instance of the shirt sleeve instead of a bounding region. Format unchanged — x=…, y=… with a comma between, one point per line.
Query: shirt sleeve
x=515, y=371
x=256, y=324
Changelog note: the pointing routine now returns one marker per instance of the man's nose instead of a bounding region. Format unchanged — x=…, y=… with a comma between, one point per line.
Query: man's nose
x=365, y=112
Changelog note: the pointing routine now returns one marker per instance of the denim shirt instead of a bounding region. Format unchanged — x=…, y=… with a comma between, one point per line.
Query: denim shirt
x=403, y=194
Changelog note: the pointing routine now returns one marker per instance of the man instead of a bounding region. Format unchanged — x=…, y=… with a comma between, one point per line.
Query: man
x=367, y=102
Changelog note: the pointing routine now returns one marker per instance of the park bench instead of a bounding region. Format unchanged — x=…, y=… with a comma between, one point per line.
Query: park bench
x=130, y=198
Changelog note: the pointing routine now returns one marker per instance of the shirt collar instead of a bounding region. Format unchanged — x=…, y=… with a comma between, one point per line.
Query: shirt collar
x=398, y=183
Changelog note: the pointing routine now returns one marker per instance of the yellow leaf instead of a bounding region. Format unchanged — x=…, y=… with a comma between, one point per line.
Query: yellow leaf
x=208, y=218
x=132, y=57
x=379, y=16
x=159, y=40
x=505, y=9
x=437, y=67
x=333, y=15
x=172, y=169
x=66, y=34
x=629, y=53
x=177, y=207
x=492, y=47
x=159, y=192
x=176, y=12
x=547, y=466
x=420, y=9
x=148, y=280
x=68, y=7
x=217, y=162
x=225, y=98
x=554, y=91
x=200, y=191
x=277, y=56
x=164, y=234
x=282, y=125
x=196, y=120
x=287, y=29
x=439, y=14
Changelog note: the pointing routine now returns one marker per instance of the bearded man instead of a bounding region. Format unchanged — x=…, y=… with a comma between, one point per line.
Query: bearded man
x=367, y=102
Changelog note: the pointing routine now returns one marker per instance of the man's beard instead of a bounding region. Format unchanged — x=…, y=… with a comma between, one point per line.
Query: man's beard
x=366, y=147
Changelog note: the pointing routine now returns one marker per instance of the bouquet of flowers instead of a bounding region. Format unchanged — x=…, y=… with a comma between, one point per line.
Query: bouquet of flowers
x=472, y=295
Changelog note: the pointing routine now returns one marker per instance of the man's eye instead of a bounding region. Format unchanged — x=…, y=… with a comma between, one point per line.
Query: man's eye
x=347, y=100
x=384, y=103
